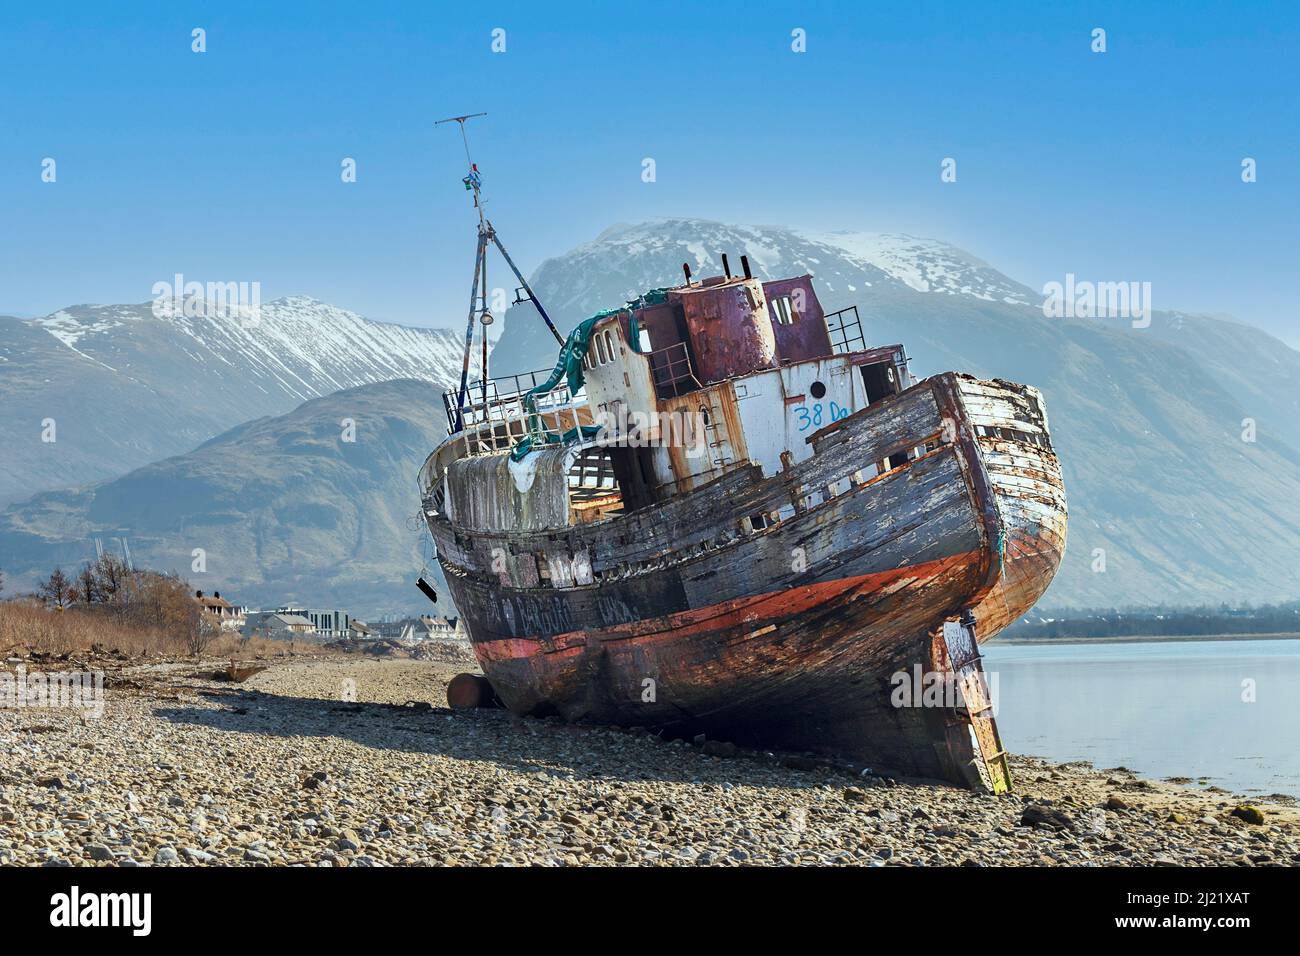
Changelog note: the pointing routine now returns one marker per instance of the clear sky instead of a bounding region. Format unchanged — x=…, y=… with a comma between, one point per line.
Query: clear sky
x=225, y=165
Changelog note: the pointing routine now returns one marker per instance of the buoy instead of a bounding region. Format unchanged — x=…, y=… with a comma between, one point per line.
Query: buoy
x=468, y=691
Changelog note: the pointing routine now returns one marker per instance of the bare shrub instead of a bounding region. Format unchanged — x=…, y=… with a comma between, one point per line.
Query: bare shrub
x=111, y=607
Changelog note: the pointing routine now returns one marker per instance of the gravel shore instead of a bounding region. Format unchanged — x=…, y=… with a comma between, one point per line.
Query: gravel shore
x=288, y=769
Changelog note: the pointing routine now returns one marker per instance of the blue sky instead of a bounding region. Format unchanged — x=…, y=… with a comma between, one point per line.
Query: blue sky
x=225, y=165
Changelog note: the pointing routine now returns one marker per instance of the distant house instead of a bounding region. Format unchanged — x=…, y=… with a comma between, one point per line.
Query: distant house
x=330, y=625
x=389, y=629
x=276, y=625
x=416, y=629
x=230, y=616
x=361, y=630
x=444, y=627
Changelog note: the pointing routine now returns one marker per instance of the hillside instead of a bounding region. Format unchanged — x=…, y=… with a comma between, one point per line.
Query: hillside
x=285, y=510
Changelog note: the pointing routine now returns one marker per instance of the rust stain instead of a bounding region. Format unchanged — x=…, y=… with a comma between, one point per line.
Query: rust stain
x=770, y=597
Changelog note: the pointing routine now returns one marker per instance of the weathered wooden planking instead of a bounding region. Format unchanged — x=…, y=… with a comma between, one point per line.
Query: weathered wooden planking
x=482, y=494
x=913, y=516
x=1002, y=405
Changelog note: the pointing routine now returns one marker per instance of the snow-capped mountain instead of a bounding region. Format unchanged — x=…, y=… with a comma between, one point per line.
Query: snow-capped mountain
x=1169, y=502
x=925, y=265
x=626, y=260
x=295, y=345
x=124, y=385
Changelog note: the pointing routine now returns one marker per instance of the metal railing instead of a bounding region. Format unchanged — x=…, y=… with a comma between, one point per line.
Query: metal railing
x=672, y=372
x=845, y=331
x=504, y=400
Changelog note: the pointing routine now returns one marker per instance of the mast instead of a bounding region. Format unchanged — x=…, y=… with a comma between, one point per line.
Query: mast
x=478, y=295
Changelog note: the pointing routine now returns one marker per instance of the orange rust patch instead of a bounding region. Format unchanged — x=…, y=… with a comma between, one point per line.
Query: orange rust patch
x=755, y=612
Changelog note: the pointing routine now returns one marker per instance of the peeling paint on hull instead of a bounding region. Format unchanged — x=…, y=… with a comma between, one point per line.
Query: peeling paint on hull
x=787, y=636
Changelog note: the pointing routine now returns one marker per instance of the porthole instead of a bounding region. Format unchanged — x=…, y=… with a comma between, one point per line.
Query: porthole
x=818, y=390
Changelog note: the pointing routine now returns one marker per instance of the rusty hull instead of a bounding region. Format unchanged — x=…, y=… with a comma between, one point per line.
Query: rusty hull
x=776, y=610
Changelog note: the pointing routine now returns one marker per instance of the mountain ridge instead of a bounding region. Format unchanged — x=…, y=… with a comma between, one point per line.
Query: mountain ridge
x=128, y=384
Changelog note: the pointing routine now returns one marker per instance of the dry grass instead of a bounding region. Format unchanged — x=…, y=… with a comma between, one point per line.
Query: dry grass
x=234, y=647
x=27, y=627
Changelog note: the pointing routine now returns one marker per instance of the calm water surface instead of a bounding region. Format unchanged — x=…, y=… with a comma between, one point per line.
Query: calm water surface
x=1160, y=709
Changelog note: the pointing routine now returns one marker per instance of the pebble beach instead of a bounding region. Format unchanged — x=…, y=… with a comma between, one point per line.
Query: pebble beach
x=348, y=760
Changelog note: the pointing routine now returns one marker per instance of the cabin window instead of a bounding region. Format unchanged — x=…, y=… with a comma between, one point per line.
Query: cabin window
x=601, y=357
x=782, y=310
x=643, y=340
x=610, y=350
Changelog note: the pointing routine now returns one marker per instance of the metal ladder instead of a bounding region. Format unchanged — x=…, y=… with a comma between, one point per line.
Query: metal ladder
x=968, y=671
x=718, y=435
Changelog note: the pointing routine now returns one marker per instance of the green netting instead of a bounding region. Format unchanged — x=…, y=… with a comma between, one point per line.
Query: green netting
x=569, y=366
x=525, y=445
x=654, y=297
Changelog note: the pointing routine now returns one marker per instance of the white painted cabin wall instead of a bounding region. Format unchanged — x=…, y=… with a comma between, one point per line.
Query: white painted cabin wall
x=772, y=426
x=626, y=378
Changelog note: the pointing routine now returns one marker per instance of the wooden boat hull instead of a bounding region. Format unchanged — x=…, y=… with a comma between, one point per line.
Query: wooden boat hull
x=791, y=635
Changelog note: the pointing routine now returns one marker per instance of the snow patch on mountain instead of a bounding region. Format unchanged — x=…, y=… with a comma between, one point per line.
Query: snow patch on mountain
x=296, y=345
x=69, y=329
x=926, y=265
x=648, y=254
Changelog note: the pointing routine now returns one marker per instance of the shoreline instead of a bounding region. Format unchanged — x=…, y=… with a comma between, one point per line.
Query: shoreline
x=1140, y=639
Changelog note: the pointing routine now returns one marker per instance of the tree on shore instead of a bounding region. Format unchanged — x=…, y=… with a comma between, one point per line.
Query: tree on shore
x=111, y=575
x=56, y=591
x=137, y=599
x=87, y=587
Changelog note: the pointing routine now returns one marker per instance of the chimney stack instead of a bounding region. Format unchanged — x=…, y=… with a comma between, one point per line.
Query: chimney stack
x=686, y=270
x=744, y=264
x=726, y=266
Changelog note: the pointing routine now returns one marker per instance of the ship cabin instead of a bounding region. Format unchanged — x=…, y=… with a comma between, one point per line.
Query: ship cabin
x=678, y=387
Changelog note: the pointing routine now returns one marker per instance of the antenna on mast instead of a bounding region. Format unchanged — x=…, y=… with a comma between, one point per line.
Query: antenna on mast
x=473, y=180
x=478, y=292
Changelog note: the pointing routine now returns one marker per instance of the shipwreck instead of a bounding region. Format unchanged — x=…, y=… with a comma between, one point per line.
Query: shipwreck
x=723, y=511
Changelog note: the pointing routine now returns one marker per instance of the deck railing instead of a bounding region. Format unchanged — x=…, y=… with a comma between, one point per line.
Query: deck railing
x=503, y=400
